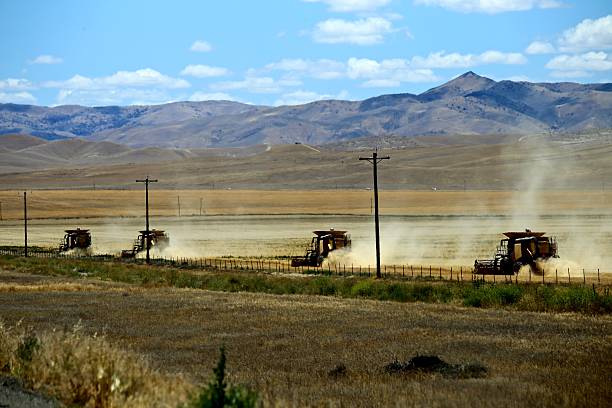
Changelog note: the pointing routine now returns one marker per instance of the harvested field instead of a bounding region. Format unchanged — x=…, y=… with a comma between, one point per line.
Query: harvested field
x=437, y=241
x=130, y=203
x=285, y=346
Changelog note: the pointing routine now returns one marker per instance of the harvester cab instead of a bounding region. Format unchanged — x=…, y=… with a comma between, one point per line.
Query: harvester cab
x=324, y=242
x=518, y=249
x=157, y=239
x=75, y=239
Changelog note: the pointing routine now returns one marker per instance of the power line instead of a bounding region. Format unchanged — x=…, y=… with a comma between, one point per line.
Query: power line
x=374, y=160
x=25, y=224
x=148, y=235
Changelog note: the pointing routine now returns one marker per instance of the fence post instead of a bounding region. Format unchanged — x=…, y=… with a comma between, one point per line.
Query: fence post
x=543, y=274
x=556, y=277
x=569, y=279
x=402, y=270
x=451, y=273
x=461, y=272
x=411, y=271
x=583, y=277
x=430, y=271
x=421, y=271
x=598, y=282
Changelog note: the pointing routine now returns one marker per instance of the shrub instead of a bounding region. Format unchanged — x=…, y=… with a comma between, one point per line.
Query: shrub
x=321, y=286
x=363, y=288
x=219, y=394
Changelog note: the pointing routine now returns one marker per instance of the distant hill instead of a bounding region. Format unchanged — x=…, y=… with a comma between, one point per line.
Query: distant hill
x=467, y=105
x=22, y=153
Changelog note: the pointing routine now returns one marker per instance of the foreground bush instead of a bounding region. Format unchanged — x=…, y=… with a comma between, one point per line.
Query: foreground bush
x=85, y=371
x=219, y=394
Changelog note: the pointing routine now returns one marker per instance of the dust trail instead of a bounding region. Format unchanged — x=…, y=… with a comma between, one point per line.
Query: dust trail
x=78, y=252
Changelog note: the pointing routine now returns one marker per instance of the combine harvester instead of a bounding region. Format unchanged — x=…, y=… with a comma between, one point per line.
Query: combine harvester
x=321, y=245
x=75, y=239
x=157, y=239
x=517, y=250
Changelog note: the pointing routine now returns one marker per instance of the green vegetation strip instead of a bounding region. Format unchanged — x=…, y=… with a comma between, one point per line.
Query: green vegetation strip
x=529, y=297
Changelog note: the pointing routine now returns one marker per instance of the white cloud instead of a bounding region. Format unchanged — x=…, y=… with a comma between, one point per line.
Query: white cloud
x=570, y=74
x=384, y=72
x=455, y=60
x=588, y=35
x=381, y=83
x=301, y=97
x=105, y=97
x=255, y=84
x=351, y=5
x=143, y=86
x=590, y=61
x=540, y=47
x=518, y=78
x=211, y=96
x=17, y=97
x=146, y=77
x=200, y=46
x=490, y=6
x=320, y=69
x=204, y=71
x=47, y=59
x=16, y=84
x=365, y=31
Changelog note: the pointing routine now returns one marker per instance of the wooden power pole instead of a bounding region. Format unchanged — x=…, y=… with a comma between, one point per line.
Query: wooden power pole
x=147, y=232
x=375, y=160
x=25, y=224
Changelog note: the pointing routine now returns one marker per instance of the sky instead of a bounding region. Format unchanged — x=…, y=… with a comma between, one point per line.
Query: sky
x=287, y=52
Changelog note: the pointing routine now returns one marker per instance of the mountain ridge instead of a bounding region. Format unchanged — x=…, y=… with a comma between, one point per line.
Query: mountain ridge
x=468, y=104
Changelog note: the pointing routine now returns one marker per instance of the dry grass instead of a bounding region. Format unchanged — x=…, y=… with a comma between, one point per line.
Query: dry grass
x=83, y=370
x=284, y=346
x=127, y=203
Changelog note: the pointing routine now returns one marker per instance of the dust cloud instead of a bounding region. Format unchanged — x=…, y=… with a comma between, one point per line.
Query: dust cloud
x=536, y=166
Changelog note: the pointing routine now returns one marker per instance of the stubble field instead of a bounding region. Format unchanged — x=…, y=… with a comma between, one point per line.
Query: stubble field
x=286, y=346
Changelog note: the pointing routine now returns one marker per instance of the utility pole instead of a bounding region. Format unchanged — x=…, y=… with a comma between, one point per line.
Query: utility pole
x=25, y=224
x=374, y=160
x=148, y=237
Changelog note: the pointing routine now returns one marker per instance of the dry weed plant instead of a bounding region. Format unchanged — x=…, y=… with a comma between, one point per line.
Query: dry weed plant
x=86, y=370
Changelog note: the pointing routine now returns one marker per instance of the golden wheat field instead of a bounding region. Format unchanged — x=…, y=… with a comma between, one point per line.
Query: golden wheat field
x=287, y=346
x=130, y=203
x=418, y=228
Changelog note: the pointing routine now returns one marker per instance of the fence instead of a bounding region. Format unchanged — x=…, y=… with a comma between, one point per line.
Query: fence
x=407, y=272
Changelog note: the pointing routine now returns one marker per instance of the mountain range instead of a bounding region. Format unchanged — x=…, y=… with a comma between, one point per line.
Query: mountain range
x=467, y=105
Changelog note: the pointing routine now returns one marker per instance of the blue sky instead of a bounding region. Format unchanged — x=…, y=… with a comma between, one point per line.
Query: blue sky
x=275, y=52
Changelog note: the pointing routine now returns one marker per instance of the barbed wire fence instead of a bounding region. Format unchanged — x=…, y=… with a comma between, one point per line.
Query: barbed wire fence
x=396, y=271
